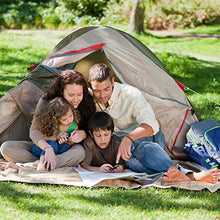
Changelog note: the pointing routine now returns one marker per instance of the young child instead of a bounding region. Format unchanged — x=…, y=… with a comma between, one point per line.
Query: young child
x=57, y=120
x=102, y=145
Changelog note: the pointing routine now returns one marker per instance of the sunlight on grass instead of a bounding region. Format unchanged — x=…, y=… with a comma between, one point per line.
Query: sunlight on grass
x=203, y=29
x=205, y=49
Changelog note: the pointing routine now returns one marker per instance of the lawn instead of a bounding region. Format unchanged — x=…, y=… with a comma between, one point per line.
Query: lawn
x=194, y=62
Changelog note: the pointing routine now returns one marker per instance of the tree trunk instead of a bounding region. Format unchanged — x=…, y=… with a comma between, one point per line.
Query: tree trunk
x=136, y=24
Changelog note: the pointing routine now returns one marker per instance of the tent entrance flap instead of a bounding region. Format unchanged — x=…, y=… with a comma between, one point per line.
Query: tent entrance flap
x=98, y=56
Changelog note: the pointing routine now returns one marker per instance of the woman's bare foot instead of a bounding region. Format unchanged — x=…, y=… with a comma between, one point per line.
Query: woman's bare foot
x=41, y=164
x=175, y=175
x=12, y=165
x=207, y=176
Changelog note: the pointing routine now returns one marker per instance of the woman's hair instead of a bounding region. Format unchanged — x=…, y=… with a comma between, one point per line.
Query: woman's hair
x=47, y=115
x=100, y=121
x=86, y=107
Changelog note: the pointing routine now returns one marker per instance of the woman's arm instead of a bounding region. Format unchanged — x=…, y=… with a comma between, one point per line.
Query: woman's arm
x=38, y=138
x=50, y=157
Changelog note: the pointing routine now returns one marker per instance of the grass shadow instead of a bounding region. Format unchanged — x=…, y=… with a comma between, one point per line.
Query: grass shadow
x=152, y=199
x=53, y=199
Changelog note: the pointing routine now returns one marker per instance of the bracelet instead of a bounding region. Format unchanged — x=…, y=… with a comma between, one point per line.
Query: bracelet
x=127, y=136
x=48, y=146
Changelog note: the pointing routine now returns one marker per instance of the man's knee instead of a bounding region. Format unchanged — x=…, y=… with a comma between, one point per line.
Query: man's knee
x=149, y=150
x=148, y=146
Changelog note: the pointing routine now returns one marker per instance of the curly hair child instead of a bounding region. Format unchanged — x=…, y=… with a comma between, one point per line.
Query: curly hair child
x=57, y=120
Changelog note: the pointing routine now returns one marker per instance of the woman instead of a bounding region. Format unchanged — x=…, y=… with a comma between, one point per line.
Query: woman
x=71, y=85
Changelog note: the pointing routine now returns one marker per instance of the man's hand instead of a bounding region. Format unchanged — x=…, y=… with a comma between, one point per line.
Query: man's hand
x=50, y=159
x=124, y=150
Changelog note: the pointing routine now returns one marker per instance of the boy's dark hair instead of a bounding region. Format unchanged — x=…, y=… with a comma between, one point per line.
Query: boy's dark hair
x=100, y=72
x=100, y=121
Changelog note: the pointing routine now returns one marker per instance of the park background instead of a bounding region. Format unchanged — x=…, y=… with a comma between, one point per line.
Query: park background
x=190, y=53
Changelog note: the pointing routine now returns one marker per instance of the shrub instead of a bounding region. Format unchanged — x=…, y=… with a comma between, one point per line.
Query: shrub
x=19, y=14
x=167, y=14
x=81, y=8
x=120, y=9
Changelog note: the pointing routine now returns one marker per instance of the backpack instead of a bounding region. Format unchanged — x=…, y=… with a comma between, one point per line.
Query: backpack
x=204, y=143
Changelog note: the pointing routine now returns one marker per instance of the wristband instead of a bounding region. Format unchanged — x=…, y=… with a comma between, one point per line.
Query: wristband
x=127, y=136
x=48, y=146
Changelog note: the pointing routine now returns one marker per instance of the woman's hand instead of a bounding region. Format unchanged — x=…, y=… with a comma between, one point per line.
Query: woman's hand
x=77, y=136
x=50, y=159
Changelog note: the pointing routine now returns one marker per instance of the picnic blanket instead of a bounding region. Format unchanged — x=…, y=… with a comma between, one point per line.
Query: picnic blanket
x=73, y=176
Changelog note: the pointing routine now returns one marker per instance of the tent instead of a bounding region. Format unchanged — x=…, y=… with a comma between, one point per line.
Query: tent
x=131, y=62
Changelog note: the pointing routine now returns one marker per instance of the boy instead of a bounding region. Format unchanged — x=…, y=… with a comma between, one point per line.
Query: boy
x=102, y=145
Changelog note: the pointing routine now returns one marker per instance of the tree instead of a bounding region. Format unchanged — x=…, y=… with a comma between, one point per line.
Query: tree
x=136, y=24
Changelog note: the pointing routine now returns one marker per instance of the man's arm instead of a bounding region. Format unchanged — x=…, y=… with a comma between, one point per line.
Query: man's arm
x=143, y=130
x=124, y=150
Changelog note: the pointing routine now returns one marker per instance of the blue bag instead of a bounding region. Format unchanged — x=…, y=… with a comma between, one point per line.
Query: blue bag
x=204, y=143
x=200, y=155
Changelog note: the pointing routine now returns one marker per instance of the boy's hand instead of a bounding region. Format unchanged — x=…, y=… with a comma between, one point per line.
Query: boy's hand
x=105, y=168
x=117, y=169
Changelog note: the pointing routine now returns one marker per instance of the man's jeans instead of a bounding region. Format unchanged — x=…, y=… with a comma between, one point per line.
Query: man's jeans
x=58, y=148
x=149, y=156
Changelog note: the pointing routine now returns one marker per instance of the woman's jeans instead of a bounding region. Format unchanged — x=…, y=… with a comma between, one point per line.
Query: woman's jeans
x=149, y=156
x=58, y=148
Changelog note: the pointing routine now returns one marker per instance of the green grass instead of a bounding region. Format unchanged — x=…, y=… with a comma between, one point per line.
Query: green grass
x=194, y=62
x=25, y=201
x=204, y=29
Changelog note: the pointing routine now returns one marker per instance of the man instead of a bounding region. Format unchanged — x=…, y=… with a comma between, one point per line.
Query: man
x=142, y=145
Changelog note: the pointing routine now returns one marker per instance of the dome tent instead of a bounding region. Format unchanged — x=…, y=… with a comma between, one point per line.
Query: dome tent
x=131, y=62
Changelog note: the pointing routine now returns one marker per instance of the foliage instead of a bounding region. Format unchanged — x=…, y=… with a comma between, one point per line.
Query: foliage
x=169, y=14
x=85, y=7
x=22, y=14
x=159, y=14
x=119, y=9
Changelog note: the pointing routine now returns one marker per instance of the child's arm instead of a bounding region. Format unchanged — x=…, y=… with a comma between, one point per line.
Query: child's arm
x=89, y=168
x=105, y=168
